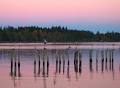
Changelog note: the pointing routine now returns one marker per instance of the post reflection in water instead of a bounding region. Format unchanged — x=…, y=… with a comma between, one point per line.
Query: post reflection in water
x=44, y=53
x=90, y=61
x=59, y=56
x=80, y=63
x=113, y=72
x=15, y=64
x=112, y=60
x=76, y=63
x=35, y=60
x=56, y=62
x=63, y=62
x=110, y=56
x=56, y=68
x=97, y=53
x=104, y=63
x=19, y=73
x=68, y=66
x=39, y=62
x=47, y=66
x=11, y=66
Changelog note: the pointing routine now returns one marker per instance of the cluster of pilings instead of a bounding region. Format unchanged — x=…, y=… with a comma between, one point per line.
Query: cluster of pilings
x=107, y=60
x=59, y=57
x=41, y=61
x=15, y=64
x=111, y=60
x=62, y=58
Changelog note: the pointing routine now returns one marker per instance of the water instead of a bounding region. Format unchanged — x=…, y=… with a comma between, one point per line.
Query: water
x=66, y=68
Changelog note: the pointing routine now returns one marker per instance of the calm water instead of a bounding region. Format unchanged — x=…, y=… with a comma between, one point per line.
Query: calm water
x=69, y=68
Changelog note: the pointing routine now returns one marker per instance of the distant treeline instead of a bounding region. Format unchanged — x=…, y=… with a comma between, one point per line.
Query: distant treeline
x=54, y=34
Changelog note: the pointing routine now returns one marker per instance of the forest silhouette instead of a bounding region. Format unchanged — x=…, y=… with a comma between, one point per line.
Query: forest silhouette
x=54, y=34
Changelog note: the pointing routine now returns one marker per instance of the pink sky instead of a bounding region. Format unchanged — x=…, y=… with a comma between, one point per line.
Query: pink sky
x=60, y=10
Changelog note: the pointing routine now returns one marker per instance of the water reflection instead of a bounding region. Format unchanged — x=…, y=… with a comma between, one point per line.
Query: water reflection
x=61, y=57
x=54, y=64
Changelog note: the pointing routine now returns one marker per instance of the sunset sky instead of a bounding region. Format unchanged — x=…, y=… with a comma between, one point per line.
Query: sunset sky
x=94, y=15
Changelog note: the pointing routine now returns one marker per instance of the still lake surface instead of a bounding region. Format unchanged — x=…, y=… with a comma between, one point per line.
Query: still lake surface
x=60, y=68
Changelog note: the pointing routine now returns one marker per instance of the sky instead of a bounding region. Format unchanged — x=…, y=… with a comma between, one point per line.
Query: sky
x=93, y=15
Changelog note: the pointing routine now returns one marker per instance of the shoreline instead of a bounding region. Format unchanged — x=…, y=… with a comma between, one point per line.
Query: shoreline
x=62, y=45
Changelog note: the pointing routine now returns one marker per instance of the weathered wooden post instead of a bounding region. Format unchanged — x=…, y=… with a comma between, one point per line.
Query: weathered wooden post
x=63, y=63
x=19, y=74
x=76, y=61
x=102, y=60
x=15, y=64
x=38, y=63
x=47, y=65
x=56, y=62
x=90, y=61
x=68, y=68
x=97, y=60
x=80, y=62
x=110, y=60
x=59, y=61
x=44, y=51
x=106, y=53
x=35, y=64
x=11, y=66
